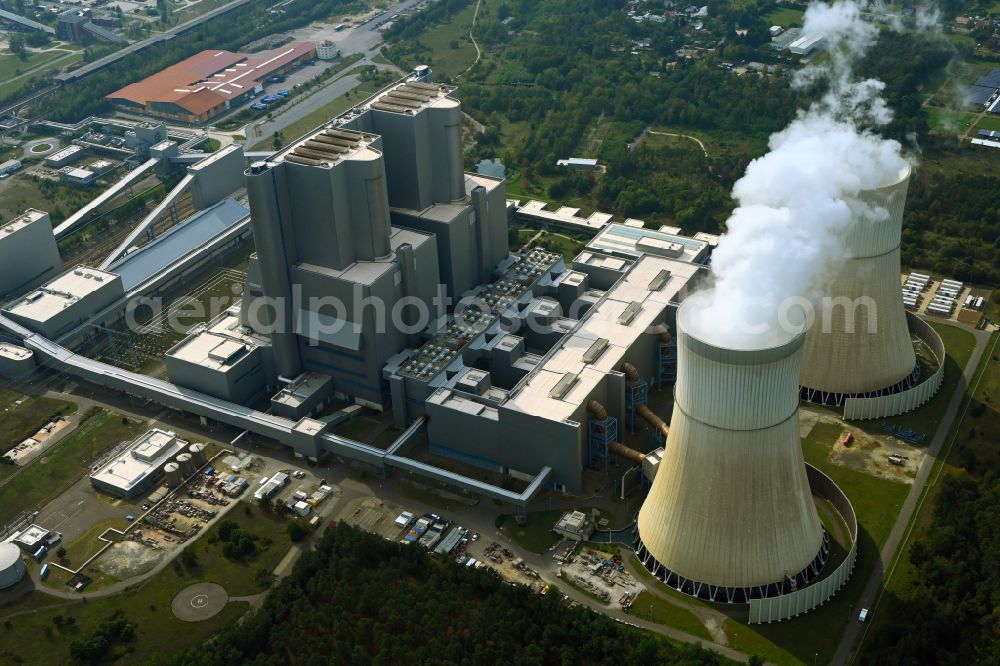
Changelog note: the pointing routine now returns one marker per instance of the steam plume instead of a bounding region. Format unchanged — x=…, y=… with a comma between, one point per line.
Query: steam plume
x=783, y=240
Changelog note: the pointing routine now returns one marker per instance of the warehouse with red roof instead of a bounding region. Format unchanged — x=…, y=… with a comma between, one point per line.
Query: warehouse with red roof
x=201, y=87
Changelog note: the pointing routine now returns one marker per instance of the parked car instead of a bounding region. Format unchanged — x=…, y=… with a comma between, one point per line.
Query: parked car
x=863, y=617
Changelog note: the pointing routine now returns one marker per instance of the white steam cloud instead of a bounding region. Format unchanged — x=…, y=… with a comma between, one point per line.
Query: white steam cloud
x=784, y=240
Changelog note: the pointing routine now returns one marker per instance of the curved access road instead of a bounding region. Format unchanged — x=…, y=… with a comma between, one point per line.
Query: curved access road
x=888, y=557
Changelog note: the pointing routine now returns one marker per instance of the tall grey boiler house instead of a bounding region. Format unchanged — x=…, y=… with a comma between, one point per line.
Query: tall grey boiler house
x=373, y=208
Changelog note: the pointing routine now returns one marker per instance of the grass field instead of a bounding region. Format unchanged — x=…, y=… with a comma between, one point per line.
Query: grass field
x=49, y=62
x=19, y=192
x=876, y=501
x=238, y=577
x=565, y=245
x=21, y=416
x=948, y=121
x=536, y=535
x=786, y=17
x=989, y=122
x=650, y=607
x=11, y=65
x=446, y=61
x=62, y=466
x=34, y=638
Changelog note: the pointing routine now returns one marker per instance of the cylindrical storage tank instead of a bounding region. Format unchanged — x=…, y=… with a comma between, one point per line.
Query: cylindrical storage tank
x=184, y=462
x=730, y=516
x=172, y=474
x=326, y=50
x=859, y=342
x=197, y=452
x=12, y=567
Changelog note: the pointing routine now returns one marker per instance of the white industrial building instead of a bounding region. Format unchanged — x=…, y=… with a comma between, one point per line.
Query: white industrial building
x=9, y=167
x=31, y=538
x=134, y=470
x=67, y=301
x=64, y=157
x=28, y=252
x=327, y=50
x=575, y=525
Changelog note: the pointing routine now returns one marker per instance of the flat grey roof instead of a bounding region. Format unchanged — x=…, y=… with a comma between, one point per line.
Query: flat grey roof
x=45, y=302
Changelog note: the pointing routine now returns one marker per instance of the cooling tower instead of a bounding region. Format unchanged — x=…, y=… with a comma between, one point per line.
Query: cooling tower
x=859, y=342
x=730, y=515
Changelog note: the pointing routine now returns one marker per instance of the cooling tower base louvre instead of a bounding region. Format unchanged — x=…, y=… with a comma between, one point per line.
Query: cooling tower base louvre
x=733, y=595
x=830, y=399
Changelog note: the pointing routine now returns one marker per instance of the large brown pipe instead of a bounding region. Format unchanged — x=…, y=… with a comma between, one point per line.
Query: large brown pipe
x=652, y=419
x=598, y=410
x=601, y=414
x=642, y=410
x=627, y=452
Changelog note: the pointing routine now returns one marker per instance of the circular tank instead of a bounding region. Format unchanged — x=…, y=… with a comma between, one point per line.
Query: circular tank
x=184, y=462
x=172, y=471
x=12, y=567
x=197, y=452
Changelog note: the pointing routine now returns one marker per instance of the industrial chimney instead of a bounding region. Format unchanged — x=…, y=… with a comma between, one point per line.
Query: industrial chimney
x=730, y=516
x=860, y=342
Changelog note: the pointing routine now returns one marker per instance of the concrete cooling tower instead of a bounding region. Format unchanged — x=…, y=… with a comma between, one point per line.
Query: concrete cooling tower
x=730, y=516
x=872, y=354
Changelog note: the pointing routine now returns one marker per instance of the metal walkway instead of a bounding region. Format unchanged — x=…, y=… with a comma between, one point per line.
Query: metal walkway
x=245, y=418
x=147, y=223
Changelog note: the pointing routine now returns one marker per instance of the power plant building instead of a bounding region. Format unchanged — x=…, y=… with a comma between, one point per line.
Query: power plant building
x=134, y=470
x=540, y=417
x=730, y=515
x=320, y=217
x=66, y=302
x=28, y=252
x=223, y=359
x=421, y=129
x=860, y=344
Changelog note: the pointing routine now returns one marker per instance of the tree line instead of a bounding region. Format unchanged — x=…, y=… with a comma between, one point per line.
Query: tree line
x=359, y=599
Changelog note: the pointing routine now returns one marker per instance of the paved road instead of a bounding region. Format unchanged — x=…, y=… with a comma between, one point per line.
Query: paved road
x=294, y=113
x=846, y=650
x=364, y=39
